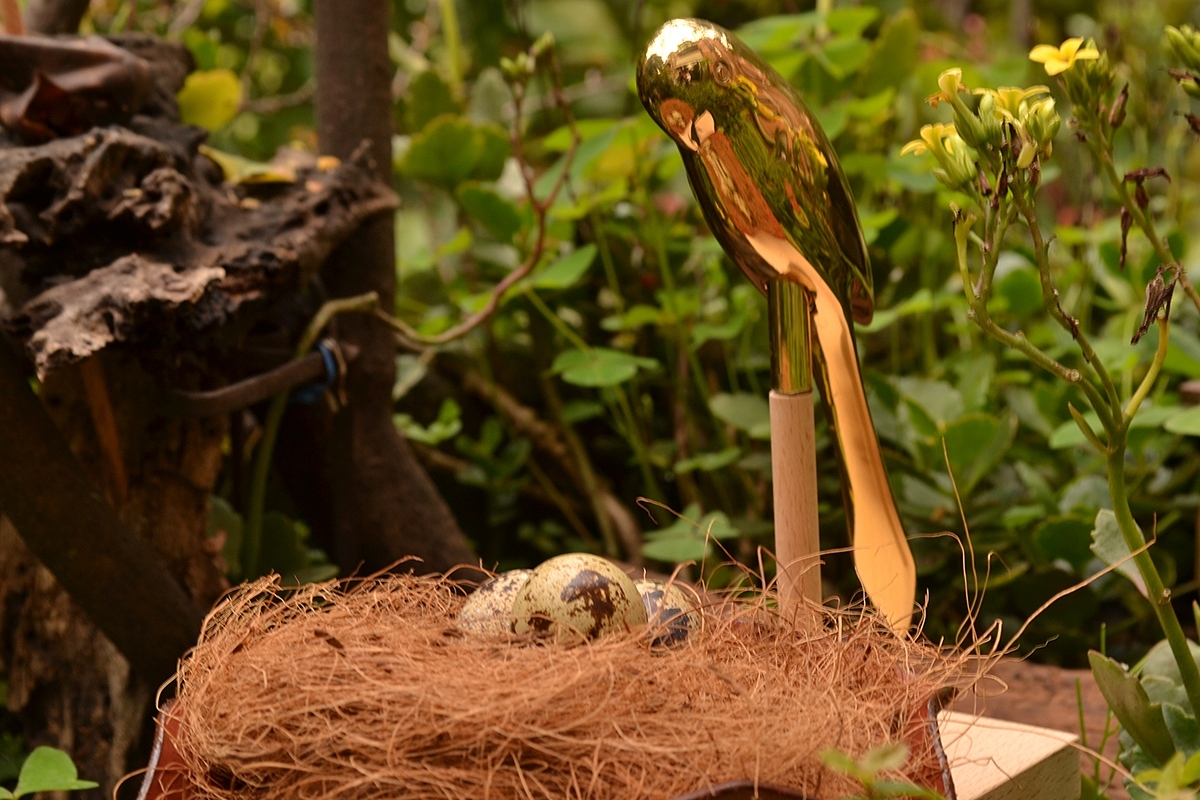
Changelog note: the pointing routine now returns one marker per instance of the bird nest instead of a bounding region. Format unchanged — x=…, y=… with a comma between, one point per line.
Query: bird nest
x=368, y=689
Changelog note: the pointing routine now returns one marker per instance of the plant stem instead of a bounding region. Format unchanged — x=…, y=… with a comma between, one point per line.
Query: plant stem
x=979, y=313
x=1160, y=596
x=1050, y=300
x=453, y=39
x=1160, y=355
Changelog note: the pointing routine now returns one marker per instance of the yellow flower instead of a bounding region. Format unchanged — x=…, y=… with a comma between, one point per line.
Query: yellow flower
x=950, y=82
x=1008, y=99
x=1061, y=59
x=931, y=139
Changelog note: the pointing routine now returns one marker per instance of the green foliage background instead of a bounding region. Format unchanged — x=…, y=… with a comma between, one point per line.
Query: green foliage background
x=638, y=344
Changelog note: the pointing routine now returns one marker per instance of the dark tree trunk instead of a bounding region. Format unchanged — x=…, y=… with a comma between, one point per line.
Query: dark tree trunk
x=384, y=505
x=55, y=16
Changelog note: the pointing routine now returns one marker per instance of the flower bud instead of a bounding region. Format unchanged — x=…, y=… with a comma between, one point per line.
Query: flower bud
x=1028, y=151
x=1185, y=41
x=959, y=166
x=1042, y=123
x=990, y=122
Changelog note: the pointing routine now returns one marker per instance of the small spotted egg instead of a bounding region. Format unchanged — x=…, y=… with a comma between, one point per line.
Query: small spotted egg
x=672, y=609
x=576, y=595
x=489, y=609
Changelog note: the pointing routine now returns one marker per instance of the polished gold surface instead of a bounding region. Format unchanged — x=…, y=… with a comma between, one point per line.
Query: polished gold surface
x=773, y=193
x=791, y=356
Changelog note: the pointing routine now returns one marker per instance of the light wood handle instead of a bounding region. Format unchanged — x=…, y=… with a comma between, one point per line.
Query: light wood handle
x=794, y=471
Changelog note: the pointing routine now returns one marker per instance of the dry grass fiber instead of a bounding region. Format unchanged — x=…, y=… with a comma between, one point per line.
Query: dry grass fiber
x=365, y=689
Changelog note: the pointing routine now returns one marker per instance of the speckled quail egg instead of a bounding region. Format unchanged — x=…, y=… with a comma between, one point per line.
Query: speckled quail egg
x=577, y=595
x=672, y=609
x=489, y=609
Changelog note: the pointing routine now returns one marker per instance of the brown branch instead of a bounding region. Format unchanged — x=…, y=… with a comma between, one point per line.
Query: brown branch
x=273, y=105
x=13, y=24
x=63, y=520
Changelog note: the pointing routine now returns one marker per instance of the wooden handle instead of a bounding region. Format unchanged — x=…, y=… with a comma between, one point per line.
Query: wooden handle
x=794, y=471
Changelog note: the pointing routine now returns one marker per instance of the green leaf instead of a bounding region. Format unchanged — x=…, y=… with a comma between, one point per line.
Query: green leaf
x=1109, y=546
x=445, y=152
x=1160, y=663
x=243, y=170
x=975, y=444
x=838, y=761
x=746, y=412
x=633, y=318
x=566, y=272
x=574, y=411
x=909, y=791
x=685, y=540
x=885, y=758
x=599, y=366
x=770, y=34
x=894, y=54
x=843, y=55
x=708, y=462
x=1185, y=731
x=483, y=204
x=676, y=550
x=1191, y=770
x=428, y=97
x=1139, y=717
x=941, y=401
x=283, y=549
x=1185, y=423
x=704, y=331
x=210, y=98
x=1021, y=291
x=451, y=149
x=494, y=149
x=1067, y=538
x=1068, y=434
x=447, y=425
x=49, y=770
x=852, y=20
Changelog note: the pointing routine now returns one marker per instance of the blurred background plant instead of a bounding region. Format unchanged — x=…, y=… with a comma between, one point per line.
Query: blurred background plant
x=627, y=360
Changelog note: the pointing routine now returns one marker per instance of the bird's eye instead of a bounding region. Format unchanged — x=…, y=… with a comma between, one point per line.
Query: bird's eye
x=722, y=72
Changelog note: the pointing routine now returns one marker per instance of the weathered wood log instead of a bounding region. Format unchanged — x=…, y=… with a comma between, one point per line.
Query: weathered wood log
x=199, y=253
x=81, y=541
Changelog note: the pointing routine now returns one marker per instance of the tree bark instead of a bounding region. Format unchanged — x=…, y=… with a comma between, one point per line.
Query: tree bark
x=66, y=523
x=384, y=505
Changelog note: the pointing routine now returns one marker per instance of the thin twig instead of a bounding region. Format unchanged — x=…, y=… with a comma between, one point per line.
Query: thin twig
x=262, y=19
x=252, y=535
x=186, y=17
x=540, y=209
x=282, y=102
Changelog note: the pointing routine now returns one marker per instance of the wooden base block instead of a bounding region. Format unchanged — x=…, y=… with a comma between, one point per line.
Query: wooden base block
x=993, y=759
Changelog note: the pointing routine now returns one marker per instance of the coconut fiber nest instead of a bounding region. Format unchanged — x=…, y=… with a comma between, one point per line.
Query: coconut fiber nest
x=368, y=689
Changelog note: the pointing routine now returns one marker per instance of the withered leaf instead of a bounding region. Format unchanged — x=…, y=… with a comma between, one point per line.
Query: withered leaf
x=1126, y=223
x=1158, y=298
x=63, y=87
